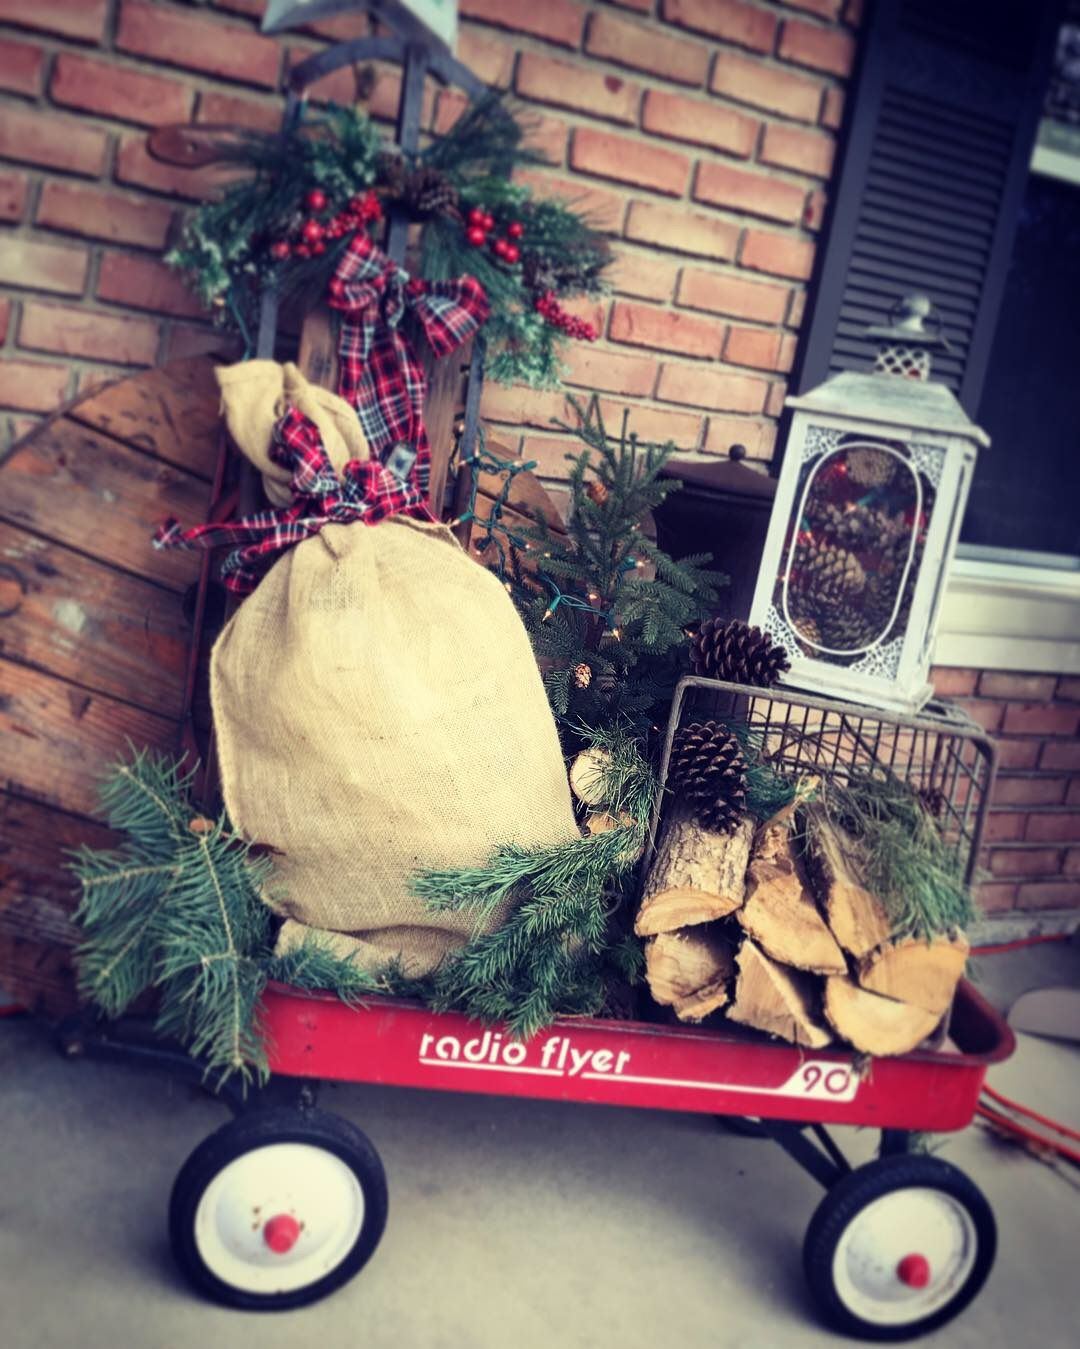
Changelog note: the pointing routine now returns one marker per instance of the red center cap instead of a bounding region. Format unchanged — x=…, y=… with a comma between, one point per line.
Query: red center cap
x=281, y=1232
x=914, y=1270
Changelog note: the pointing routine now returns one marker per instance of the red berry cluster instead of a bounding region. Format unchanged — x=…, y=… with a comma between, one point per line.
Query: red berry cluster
x=314, y=233
x=479, y=225
x=551, y=311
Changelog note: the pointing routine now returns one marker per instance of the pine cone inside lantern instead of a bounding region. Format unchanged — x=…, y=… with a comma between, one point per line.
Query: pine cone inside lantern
x=870, y=468
x=828, y=575
x=848, y=629
x=855, y=526
x=737, y=652
x=707, y=767
x=582, y=675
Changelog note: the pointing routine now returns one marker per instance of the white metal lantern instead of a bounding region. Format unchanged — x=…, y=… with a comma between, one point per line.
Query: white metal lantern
x=865, y=522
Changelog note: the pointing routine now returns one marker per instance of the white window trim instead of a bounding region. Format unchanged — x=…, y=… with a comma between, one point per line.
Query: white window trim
x=1006, y=616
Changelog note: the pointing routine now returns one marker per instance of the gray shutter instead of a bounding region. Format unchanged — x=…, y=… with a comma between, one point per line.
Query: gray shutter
x=939, y=138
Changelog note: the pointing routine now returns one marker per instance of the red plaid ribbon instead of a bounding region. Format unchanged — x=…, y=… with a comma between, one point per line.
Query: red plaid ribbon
x=365, y=491
x=380, y=375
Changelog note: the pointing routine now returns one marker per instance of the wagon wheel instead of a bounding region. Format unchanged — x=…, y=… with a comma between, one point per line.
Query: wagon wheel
x=277, y=1209
x=899, y=1247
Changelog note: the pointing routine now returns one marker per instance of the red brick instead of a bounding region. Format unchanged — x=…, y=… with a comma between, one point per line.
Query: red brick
x=1061, y=754
x=1034, y=791
x=994, y=684
x=1073, y=797
x=488, y=58
x=548, y=135
x=1041, y=719
x=5, y=320
x=725, y=293
x=825, y=9
x=642, y=275
x=625, y=160
x=99, y=214
x=987, y=714
x=1025, y=861
x=196, y=43
x=521, y=406
x=996, y=897
x=748, y=193
x=1069, y=688
x=52, y=140
x=43, y=266
x=832, y=108
x=189, y=339
x=798, y=149
x=645, y=48
x=762, y=348
x=610, y=371
x=677, y=229
x=718, y=390
x=114, y=91
x=604, y=209
x=590, y=310
x=1053, y=826
x=227, y=110
x=825, y=49
x=21, y=65
x=573, y=85
x=746, y=80
x=12, y=195
x=774, y=403
x=643, y=325
x=654, y=426
x=1072, y=863
x=550, y=453
x=1049, y=895
x=31, y=386
x=1018, y=754
x=559, y=21
x=83, y=20
x=757, y=438
x=951, y=682
x=135, y=166
x=701, y=123
x=642, y=6
x=145, y=283
x=798, y=309
x=726, y=19
x=778, y=254
x=1004, y=826
x=82, y=332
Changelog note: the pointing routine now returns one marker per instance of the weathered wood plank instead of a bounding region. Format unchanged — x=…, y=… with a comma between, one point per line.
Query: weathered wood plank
x=86, y=490
x=56, y=739
x=170, y=412
x=86, y=622
x=447, y=379
x=38, y=896
x=317, y=357
x=526, y=495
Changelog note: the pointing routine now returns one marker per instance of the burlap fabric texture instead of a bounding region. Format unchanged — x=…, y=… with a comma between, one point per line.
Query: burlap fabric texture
x=379, y=712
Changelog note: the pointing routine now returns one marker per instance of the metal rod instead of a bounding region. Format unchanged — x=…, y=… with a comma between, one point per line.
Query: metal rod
x=810, y=1157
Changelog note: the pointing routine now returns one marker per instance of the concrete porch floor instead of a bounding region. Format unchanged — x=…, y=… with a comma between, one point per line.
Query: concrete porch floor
x=529, y=1224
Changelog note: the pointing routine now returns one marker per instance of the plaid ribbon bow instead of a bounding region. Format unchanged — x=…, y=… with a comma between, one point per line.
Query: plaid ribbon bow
x=380, y=375
x=366, y=491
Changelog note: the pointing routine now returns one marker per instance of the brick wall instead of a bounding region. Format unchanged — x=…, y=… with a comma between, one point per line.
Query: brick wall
x=1031, y=860
x=699, y=132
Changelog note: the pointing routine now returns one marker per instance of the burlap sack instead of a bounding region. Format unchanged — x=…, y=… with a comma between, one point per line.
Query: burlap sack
x=379, y=711
x=255, y=394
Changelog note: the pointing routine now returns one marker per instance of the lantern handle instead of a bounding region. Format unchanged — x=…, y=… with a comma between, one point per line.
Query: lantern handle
x=911, y=317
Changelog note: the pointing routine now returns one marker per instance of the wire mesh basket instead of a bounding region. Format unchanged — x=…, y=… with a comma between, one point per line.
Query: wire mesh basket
x=941, y=754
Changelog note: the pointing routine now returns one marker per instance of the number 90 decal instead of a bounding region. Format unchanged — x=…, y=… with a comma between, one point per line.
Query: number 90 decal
x=821, y=1081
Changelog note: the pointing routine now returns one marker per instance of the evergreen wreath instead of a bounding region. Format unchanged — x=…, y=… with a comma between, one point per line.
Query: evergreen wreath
x=300, y=195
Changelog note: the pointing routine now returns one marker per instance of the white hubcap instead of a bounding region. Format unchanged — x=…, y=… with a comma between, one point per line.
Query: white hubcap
x=292, y=1181
x=904, y=1256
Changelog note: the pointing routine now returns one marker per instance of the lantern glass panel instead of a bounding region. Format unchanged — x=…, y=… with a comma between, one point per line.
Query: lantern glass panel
x=854, y=547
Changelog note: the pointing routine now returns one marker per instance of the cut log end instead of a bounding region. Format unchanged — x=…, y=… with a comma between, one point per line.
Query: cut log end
x=698, y=875
x=772, y=998
x=690, y=968
x=872, y=1023
x=924, y=973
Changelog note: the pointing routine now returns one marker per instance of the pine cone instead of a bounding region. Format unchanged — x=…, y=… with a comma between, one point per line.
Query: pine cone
x=582, y=675
x=856, y=526
x=807, y=629
x=390, y=172
x=428, y=192
x=707, y=767
x=848, y=629
x=737, y=652
x=870, y=468
x=597, y=492
x=827, y=574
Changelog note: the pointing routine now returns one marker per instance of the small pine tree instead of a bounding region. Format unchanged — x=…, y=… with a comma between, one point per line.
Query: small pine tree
x=606, y=609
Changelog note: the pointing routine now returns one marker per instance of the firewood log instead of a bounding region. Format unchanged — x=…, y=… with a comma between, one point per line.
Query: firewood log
x=873, y=1023
x=690, y=969
x=856, y=918
x=773, y=998
x=924, y=973
x=779, y=912
x=697, y=875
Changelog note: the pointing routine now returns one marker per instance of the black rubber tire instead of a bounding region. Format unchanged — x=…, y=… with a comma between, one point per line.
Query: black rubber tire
x=258, y=1129
x=849, y=1196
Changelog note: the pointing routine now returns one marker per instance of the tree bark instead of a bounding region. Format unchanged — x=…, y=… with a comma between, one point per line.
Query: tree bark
x=697, y=875
x=856, y=918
